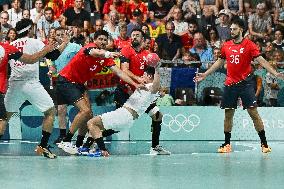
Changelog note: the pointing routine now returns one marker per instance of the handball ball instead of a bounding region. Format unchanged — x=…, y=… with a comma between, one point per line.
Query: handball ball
x=152, y=59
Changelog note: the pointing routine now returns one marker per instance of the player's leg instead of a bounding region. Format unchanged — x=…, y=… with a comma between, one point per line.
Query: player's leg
x=154, y=112
x=39, y=98
x=3, y=116
x=249, y=103
x=229, y=103
x=62, y=122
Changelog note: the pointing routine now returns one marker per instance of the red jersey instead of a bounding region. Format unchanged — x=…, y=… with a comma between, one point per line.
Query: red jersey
x=121, y=43
x=136, y=60
x=186, y=41
x=11, y=52
x=83, y=67
x=132, y=6
x=238, y=57
x=121, y=7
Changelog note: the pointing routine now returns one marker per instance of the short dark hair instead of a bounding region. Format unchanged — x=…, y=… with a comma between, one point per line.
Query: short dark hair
x=150, y=70
x=101, y=32
x=49, y=9
x=239, y=22
x=22, y=24
x=139, y=30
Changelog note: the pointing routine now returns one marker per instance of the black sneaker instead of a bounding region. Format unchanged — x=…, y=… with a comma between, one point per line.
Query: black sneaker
x=45, y=152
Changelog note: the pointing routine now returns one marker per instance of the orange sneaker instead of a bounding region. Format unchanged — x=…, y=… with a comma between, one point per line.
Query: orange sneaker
x=265, y=148
x=45, y=152
x=225, y=148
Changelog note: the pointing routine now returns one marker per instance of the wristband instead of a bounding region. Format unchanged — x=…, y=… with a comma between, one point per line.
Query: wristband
x=107, y=54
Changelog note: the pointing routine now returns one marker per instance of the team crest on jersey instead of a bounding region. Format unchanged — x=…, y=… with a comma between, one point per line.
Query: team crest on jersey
x=93, y=68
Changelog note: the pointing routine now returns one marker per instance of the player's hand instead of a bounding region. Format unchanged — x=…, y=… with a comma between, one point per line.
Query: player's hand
x=114, y=54
x=199, y=77
x=280, y=75
x=105, y=153
x=50, y=46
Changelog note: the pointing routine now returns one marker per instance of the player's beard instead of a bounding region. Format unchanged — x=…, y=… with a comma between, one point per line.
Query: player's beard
x=237, y=36
x=135, y=43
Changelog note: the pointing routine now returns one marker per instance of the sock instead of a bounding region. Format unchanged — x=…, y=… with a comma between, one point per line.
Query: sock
x=89, y=142
x=101, y=144
x=62, y=133
x=68, y=137
x=44, y=139
x=79, y=141
x=262, y=137
x=1, y=136
x=156, y=129
x=227, y=137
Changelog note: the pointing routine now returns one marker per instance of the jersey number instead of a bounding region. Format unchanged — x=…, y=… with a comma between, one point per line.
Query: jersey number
x=235, y=59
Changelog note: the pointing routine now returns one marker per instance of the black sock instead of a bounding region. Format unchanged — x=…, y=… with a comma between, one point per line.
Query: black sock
x=68, y=137
x=44, y=139
x=79, y=141
x=101, y=144
x=262, y=137
x=156, y=129
x=89, y=142
x=62, y=133
x=227, y=137
x=1, y=136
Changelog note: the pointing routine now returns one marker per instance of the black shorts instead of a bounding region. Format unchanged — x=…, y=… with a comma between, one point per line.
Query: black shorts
x=3, y=115
x=68, y=92
x=244, y=90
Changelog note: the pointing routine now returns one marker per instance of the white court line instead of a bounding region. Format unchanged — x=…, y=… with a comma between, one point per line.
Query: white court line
x=29, y=142
x=7, y=143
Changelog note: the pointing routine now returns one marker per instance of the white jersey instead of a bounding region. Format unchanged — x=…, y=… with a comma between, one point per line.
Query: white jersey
x=21, y=71
x=140, y=100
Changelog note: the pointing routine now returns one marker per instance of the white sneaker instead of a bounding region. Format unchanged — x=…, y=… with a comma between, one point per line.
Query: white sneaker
x=70, y=149
x=159, y=150
x=62, y=144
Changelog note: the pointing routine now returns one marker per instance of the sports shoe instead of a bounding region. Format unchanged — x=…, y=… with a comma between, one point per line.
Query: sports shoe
x=225, y=148
x=62, y=144
x=45, y=152
x=159, y=150
x=58, y=140
x=265, y=148
x=70, y=149
x=84, y=151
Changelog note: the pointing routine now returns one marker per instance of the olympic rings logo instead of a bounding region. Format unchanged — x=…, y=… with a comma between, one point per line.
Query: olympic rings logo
x=180, y=121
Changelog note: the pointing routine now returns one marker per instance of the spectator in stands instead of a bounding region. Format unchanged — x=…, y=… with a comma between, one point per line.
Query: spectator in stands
x=145, y=29
x=15, y=13
x=213, y=38
x=236, y=7
x=169, y=44
x=181, y=27
x=11, y=35
x=123, y=40
x=99, y=25
x=216, y=53
x=268, y=51
x=136, y=21
x=111, y=26
x=46, y=22
x=223, y=27
x=4, y=17
x=271, y=88
x=165, y=98
x=208, y=19
x=37, y=12
x=211, y=5
x=189, y=9
x=26, y=14
x=278, y=40
x=76, y=14
x=202, y=49
x=119, y=6
x=260, y=23
x=191, y=59
x=137, y=4
x=159, y=9
x=4, y=4
x=187, y=38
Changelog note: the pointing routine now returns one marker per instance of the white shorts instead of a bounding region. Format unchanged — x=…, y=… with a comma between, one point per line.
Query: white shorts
x=121, y=118
x=20, y=91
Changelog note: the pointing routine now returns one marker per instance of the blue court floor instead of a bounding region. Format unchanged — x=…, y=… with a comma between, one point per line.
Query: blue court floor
x=193, y=165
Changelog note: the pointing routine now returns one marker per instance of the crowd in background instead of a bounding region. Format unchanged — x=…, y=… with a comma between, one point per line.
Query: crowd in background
x=187, y=31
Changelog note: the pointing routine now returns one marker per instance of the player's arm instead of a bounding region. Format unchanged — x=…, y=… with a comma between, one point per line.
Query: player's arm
x=201, y=76
x=125, y=68
x=156, y=82
x=100, y=53
x=267, y=66
x=30, y=59
x=124, y=76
